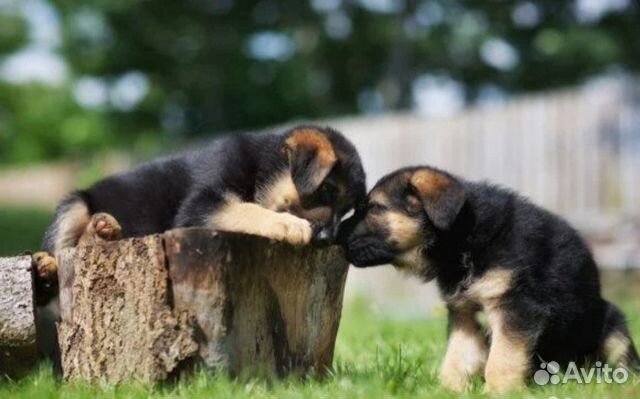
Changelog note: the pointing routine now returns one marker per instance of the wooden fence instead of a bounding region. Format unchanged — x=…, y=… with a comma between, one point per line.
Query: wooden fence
x=575, y=151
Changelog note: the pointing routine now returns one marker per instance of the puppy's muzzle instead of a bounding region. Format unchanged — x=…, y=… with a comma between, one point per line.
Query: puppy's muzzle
x=366, y=251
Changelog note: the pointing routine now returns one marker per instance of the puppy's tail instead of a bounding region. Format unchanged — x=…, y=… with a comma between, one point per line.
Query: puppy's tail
x=617, y=345
x=69, y=222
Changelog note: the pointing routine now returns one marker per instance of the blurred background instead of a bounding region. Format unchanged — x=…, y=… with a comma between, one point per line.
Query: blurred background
x=538, y=95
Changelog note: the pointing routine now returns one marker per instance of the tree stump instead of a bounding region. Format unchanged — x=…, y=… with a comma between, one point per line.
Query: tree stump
x=18, y=350
x=141, y=307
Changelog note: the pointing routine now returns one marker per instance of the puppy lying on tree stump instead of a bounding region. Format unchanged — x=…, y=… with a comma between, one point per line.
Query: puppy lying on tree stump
x=137, y=308
x=125, y=305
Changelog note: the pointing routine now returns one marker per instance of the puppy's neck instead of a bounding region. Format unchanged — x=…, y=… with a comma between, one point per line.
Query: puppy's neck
x=271, y=160
x=454, y=271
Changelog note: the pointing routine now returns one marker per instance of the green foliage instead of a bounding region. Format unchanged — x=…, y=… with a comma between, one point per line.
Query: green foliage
x=196, y=52
x=13, y=33
x=40, y=122
x=204, y=77
x=21, y=229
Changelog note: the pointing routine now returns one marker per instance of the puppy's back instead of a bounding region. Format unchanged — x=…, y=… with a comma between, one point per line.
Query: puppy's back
x=145, y=199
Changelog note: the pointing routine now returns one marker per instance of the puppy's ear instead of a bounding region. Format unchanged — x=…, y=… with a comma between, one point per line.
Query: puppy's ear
x=442, y=196
x=311, y=158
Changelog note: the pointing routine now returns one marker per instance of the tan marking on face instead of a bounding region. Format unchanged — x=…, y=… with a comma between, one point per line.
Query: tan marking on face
x=616, y=347
x=311, y=139
x=70, y=226
x=509, y=356
x=250, y=218
x=489, y=288
x=404, y=230
x=413, y=263
x=466, y=352
x=379, y=197
x=279, y=194
x=405, y=235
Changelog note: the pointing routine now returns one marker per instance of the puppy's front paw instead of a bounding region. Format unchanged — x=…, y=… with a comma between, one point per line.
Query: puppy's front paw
x=453, y=379
x=45, y=265
x=292, y=229
x=500, y=380
x=502, y=388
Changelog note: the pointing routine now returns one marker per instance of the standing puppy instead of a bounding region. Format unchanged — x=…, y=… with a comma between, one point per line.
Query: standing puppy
x=491, y=250
x=294, y=187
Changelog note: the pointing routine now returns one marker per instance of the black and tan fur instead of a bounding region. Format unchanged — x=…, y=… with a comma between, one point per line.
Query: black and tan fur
x=492, y=251
x=293, y=186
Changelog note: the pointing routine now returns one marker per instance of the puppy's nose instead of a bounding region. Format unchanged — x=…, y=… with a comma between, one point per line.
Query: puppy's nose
x=324, y=236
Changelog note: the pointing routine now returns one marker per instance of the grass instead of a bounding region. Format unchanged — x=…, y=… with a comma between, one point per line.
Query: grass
x=376, y=357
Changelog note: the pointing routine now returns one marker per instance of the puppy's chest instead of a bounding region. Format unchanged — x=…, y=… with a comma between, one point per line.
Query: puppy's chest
x=481, y=292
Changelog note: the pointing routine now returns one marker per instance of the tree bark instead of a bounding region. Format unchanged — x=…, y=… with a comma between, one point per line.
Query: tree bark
x=18, y=350
x=139, y=308
x=261, y=307
x=116, y=323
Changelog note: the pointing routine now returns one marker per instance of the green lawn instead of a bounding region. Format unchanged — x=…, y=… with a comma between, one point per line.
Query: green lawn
x=375, y=358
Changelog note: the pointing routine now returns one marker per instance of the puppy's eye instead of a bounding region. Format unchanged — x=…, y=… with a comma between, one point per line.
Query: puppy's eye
x=413, y=202
x=376, y=207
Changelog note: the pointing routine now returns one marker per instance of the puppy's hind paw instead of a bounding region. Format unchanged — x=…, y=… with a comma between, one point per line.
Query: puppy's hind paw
x=106, y=227
x=45, y=265
x=102, y=227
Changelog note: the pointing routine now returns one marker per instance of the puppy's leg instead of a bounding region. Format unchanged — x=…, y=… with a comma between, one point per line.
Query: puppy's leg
x=466, y=350
x=617, y=346
x=103, y=227
x=250, y=218
x=510, y=355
